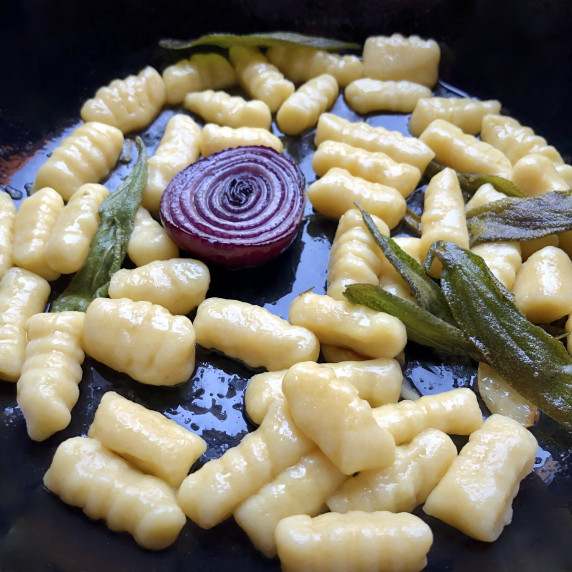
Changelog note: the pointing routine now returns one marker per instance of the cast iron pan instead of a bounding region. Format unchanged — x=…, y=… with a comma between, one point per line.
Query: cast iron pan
x=54, y=57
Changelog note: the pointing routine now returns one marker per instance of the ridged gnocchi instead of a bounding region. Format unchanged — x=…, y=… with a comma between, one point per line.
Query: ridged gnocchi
x=178, y=148
x=253, y=334
x=212, y=493
x=147, y=343
x=231, y=110
x=197, y=73
x=34, y=224
x=365, y=95
x=377, y=167
x=7, y=215
x=259, y=77
x=85, y=474
x=86, y=156
x=178, y=284
x=47, y=389
x=152, y=442
x=303, y=108
x=22, y=294
x=128, y=104
x=217, y=138
x=360, y=134
x=338, y=190
x=74, y=229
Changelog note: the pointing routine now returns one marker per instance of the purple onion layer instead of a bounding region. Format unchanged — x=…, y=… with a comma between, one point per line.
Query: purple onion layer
x=238, y=207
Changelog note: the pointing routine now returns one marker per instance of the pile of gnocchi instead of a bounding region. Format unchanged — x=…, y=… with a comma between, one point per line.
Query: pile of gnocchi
x=339, y=460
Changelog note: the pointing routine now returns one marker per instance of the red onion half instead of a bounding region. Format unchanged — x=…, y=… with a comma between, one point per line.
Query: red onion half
x=238, y=207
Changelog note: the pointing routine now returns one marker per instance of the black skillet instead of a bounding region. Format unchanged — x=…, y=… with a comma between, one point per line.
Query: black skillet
x=54, y=55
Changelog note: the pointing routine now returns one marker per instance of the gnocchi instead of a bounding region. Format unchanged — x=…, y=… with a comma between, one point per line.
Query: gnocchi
x=148, y=343
x=7, y=216
x=217, y=138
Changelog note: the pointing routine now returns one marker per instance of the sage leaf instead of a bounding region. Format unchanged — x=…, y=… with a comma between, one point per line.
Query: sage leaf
x=260, y=40
x=422, y=326
x=470, y=182
x=535, y=364
x=109, y=244
x=514, y=219
x=424, y=288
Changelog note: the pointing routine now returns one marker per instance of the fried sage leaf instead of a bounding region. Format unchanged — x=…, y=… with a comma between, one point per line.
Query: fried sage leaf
x=109, y=244
x=422, y=326
x=424, y=288
x=470, y=182
x=261, y=40
x=514, y=219
x=535, y=364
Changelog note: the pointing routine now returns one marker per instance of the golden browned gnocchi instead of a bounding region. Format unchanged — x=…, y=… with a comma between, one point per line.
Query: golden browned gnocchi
x=232, y=110
x=360, y=134
x=403, y=485
x=300, y=489
x=22, y=294
x=337, y=322
x=128, y=104
x=216, y=138
x=197, y=73
x=542, y=286
x=464, y=112
x=338, y=190
x=365, y=95
x=329, y=411
x=357, y=540
x=259, y=77
x=178, y=284
x=147, y=342
x=211, y=494
x=463, y=152
x=303, y=108
x=149, y=241
x=152, y=442
x=455, y=412
x=178, y=148
x=475, y=495
x=86, y=156
x=253, y=334
x=301, y=63
x=33, y=227
x=7, y=215
x=397, y=57
x=373, y=166
x=74, y=229
x=85, y=474
x=48, y=384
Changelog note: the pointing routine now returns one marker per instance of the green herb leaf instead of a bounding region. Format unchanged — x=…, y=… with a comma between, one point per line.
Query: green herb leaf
x=470, y=182
x=422, y=326
x=531, y=361
x=261, y=40
x=424, y=288
x=109, y=244
x=521, y=219
x=412, y=221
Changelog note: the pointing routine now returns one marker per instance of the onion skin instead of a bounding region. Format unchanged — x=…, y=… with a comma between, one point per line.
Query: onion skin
x=237, y=208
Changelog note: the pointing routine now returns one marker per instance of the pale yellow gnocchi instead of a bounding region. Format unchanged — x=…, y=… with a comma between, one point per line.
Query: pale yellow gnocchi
x=7, y=215
x=216, y=138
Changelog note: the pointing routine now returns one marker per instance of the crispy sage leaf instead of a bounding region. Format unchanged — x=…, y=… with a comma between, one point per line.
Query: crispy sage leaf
x=412, y=221
x=536, y=365
x=109, y=244
x=261, y=40
x=521, y=219
x=422, y=326
x=470, y=182
x=424, y=288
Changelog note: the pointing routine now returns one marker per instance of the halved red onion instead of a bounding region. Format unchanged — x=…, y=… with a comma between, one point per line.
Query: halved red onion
x=238, y=207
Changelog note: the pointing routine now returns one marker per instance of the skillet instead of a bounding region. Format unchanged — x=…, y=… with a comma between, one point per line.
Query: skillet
x=55, y=55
